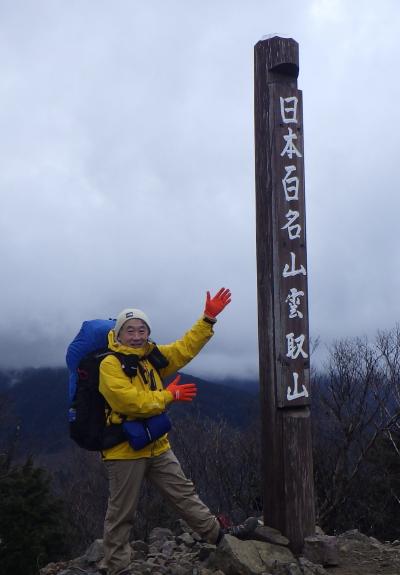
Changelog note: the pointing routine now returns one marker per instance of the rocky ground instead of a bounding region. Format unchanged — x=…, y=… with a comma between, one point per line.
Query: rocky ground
x=181, y=552
x=362, y=555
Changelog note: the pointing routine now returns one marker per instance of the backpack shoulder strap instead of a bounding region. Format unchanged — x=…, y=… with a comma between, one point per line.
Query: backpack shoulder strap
x=157, y=359
x=130, y=362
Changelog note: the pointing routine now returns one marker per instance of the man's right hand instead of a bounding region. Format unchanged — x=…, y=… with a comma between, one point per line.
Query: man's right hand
x=214, y=305
x=184, y=392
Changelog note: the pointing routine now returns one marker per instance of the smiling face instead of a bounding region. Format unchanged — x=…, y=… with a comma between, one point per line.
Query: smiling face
x=134, y=333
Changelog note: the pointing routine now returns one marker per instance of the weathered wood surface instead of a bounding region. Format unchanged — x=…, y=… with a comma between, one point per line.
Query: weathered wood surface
x=282, y=291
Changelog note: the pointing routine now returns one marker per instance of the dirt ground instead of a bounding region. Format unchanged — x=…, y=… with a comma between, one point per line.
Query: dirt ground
x=362, y=555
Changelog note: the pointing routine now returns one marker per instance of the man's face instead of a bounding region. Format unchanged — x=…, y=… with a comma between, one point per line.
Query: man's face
x=134, y=333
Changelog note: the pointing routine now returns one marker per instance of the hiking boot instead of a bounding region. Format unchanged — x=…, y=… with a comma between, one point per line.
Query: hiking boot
x=244, y=530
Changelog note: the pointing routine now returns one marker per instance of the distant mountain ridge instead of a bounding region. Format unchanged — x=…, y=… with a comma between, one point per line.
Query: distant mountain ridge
x=37, y=403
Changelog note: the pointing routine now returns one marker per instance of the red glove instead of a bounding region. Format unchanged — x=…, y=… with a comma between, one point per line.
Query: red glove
x=215, y=305
x=184, y=392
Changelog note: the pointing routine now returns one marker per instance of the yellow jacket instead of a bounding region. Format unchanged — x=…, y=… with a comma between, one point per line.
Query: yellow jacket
x=133, y=397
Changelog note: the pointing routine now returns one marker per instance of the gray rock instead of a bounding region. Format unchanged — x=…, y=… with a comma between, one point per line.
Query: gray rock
x=52, y=568
x=286, y=569
x=140, y=545
x=354, y=534
x=191, y=557
x=322, y=549
x=179, y=569
x=154, y=550
x=186, y=538
x=196, y=536
x=95, y=552
x=304, y=567
x=138, y=556
x=79, y=562
x=235, y=557
x=270, y=535
x=181, y=527
x=205, y=551
x=153, y=563
x=375, y=542
x=293, y=569
x=137, y=564
x=160, y=534
x=69, y=571
x=310, y=568
x=168, y=548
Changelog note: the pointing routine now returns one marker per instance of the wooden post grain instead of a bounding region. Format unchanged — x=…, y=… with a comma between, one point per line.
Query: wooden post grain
x=282, y=292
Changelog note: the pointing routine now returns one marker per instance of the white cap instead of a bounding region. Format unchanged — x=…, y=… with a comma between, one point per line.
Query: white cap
x=126, y=315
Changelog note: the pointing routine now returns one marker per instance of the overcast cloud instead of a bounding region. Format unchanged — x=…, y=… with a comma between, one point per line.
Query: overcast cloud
x=127, y=167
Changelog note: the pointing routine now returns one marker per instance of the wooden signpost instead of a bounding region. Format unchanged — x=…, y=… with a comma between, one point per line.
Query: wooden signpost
x=282, y=292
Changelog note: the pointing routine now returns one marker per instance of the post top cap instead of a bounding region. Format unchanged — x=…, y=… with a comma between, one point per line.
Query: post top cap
x=281, y=56
x=275, y=35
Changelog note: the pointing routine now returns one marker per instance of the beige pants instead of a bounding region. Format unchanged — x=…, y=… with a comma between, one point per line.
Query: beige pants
x=125, y=478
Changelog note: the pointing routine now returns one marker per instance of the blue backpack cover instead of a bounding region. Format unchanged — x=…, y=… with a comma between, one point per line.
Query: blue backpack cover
x=92, y=336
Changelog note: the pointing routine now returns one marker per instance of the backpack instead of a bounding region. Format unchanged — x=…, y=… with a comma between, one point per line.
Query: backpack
x=88, y=411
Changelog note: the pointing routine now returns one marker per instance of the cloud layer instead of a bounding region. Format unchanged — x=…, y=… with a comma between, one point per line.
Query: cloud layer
x=127, y=168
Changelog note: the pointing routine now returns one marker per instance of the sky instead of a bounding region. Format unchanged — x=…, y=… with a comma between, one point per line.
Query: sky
x=127, y=168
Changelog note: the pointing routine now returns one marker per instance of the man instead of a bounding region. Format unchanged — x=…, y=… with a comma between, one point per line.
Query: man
x=142, y=396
